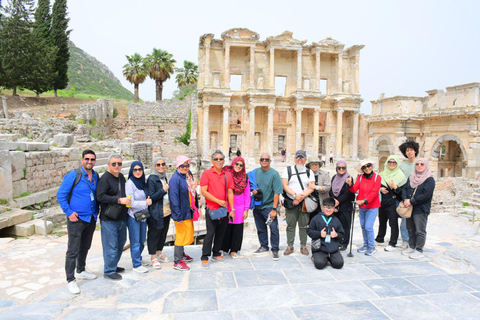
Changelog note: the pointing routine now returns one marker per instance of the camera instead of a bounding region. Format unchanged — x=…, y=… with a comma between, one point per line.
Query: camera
x=269, y=220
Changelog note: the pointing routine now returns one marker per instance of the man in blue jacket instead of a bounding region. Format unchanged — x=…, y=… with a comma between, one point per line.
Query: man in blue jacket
x=77, y=198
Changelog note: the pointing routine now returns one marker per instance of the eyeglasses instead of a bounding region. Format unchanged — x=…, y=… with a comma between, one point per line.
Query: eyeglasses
x=184, y=166
x=218, y=159
x=420, y=164
x=239, y=164
x=392, y=162
x=315, y=164
x=369, y=165
x=90, y=159
x=328, y=208
x=300, y=157
x=114, y=164
x=137, y=170
x=341, y=168
x=264, y=159
x=161, y=164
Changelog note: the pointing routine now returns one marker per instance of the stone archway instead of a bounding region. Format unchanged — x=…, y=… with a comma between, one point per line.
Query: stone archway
x=451, y=155
x=384, y=148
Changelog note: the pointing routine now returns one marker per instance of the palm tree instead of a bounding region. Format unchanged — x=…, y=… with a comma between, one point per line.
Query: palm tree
x=135, y=72
x=187, y=75
x=160, y=65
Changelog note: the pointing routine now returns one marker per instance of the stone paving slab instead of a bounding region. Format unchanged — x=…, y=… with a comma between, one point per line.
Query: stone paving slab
x=410, y=308
x=459, y=305
x=393, y=287
x=356, y=310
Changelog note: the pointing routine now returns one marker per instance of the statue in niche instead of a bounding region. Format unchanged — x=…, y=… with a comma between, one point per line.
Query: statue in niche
x=260, y=81
x=213, y=141
x=257, y=141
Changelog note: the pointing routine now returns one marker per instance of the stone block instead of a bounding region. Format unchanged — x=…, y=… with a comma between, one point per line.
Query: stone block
x=8, y=137
x=18, y=165
x=40, y=226
x=19, y=187
x=6, y=145
x=36, y=146
x=3, y=222
x=17, y=216
x=6, y=191
x=24, y=229
x=63, y=140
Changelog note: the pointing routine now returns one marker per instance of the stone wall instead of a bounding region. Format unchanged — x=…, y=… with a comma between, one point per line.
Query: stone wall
x=100, y=111
x=141, y=151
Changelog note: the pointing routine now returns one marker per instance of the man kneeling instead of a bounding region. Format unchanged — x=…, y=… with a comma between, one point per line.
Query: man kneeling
x=326, y=230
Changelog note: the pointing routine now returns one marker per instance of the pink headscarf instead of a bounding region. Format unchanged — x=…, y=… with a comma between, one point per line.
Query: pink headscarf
x=417, y=178
x=181, y=160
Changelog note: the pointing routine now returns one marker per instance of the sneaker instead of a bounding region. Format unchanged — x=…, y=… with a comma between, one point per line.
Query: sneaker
x=260, y=250
x=288, y=251
x=187, y=258
x=408, y=251
x=275, y=255
x=120, y=269
x=73, y=288
x=389, y=248
x=304, y=251
x=404, y=245
x=362, y=249
x=221, y=252
x=163, y=258
x=84, y=275
x=205, y=264
x=379, y=243
x=140, y=269
x=416, y=255
x=234, y=255
x=113, y=276
x=343, y=247
x=218, y=259
x=181, y=266
x=370, y=251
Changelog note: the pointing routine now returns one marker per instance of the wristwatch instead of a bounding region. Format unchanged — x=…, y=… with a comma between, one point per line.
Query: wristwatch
x=274, y=208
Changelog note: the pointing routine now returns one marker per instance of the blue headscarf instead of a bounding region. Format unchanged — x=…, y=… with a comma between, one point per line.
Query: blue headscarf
x=138, y=182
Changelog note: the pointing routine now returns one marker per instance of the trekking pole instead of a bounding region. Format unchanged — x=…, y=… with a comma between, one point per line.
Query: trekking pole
x=351, y=231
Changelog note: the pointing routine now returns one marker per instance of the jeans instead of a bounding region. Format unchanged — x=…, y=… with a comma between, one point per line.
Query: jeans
x=293, y=216
x=114, y=235
x=417, y=230
x=80, y=234
x=215, y=229
x=261, y=216
x=137, y=233
x=367, y=219
x=404, y=230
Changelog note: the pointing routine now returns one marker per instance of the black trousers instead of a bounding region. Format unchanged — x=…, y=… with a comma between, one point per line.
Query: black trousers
x=215, y=232
x=387, y=213
x=345, y=218
x=321, y=258
x=232, y=240
x=156, y=237
x=80, y=234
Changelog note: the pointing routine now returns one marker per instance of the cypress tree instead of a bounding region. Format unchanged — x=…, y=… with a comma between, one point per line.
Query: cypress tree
x=59, y=38
x=41, y=26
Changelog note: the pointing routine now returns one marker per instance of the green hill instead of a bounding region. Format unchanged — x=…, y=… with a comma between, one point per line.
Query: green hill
x=88, y=75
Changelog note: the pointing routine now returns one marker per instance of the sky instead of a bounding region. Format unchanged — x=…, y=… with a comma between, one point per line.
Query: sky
x=410, y=46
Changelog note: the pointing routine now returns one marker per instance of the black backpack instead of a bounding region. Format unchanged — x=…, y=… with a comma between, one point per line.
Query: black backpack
x=77, y=180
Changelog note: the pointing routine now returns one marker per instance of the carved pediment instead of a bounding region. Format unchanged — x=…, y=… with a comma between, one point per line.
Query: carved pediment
x=330, y=42
x=285, y=38
x=240, y=34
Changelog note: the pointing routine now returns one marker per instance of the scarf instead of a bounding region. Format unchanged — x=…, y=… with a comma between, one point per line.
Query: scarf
x=396, y=174
x=161, y=175
x=138, y=182
x=339, y=179
x=417, y=178
x=240, y=179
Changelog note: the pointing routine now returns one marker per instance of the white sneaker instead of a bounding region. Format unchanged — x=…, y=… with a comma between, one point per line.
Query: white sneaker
x=73, y=288
x=408, y=251
x=140, y=269
x=389, y=248
x=416, y=255
x=84, y=275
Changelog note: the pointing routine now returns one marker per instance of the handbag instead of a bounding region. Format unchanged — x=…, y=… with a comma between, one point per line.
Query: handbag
x=222, y=211
x=403, y=211
x=142, y=214
x=287, y=201
x=310, y=203
x=113, y=210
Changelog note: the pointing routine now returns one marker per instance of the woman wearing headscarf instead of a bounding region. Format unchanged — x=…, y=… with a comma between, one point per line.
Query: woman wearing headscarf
x=368, y=200
x=136, y=188
x=232, y=240
x=418, y=192
x=343, y=200
x=322, y=185
x=182, y=205
x=159, y=221
x=392, y=181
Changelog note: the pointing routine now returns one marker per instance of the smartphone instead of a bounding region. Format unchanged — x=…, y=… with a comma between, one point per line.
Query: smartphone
x=230, y=218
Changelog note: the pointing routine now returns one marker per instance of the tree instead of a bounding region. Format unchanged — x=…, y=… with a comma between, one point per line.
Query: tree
x=41, y=26
x=186, y=75
x=42, y=75
x=59, y=38
x=135, y=72
x=159, y=64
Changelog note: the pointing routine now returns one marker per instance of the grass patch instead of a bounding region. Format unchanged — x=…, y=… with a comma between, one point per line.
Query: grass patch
x=80, y=121
x=3, y=201
x=466, y=204
x=23, y=195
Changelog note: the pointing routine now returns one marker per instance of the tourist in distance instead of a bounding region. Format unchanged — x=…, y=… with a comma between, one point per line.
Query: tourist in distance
x=331, y=157
x=418, y=192
x=160, y=213
x=324, y=159
x=266, y=187
x=368, y=200
x=217, y=187
x=296, y=180
x=326, y=231
x=113, y=216
x=392, y=181
x=409, y=149
x=182, y=205
x=284, y=154
x=79, y=202
x=136, y=190
x=322, y=183
x=232, y=241
x=343, y=201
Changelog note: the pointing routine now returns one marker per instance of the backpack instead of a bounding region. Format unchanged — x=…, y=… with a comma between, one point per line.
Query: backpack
x=78, y=177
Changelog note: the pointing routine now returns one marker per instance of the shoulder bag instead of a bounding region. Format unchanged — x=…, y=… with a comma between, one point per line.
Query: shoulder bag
x=222, y=211
x=142, y=214
x=310, y=204
x=113, y=210
x=403, y=211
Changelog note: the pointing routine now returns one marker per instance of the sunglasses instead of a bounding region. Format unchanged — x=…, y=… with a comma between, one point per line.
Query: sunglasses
x=341, y=168
x=420, y=164
x=264, y=159
x=161, y=164
x=218, y=159
x=90, y=159
x=328, y=208
x=114, y=164
x=392, y=162
x=300, y=157
x=184, y=166
x=367, y=166
x=315, y=164
x=137, y=170
x=239, y=164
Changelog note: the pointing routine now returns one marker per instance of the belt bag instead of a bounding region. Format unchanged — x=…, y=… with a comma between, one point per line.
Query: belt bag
x=222, y=211
x=141, y=215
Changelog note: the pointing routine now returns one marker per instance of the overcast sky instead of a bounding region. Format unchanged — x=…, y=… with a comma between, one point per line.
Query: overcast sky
x=410, y=46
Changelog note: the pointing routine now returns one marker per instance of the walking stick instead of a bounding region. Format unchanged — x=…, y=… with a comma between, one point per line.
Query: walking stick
x=351, y=231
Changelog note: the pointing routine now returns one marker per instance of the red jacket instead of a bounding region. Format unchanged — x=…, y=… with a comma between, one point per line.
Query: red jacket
x=368, y=189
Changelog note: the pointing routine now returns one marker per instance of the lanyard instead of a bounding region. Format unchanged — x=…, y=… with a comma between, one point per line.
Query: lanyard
x=92, y=198
x=327, y=222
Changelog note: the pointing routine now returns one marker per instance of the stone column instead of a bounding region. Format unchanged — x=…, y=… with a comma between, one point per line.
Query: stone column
x=227, y=67
x=339, y=73
x=5, y=107
x=272, y=68
x=328, y=129
x=207, y=61
x=225, y=129
x=270, y=130
x=357, y=73
x=339, y=132
x=252, y=67
x=299, y=69
x=316, y=127
x=290, y=135
x=251, y=131
x=206, y=132
x=298, y=133
x=355, y=136
x=317, y=70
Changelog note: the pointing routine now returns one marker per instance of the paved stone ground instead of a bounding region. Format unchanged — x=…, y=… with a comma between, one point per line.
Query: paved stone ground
x=443, y=285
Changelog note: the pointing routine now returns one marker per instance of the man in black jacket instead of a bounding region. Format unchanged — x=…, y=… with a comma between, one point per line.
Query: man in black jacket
x=111, y=193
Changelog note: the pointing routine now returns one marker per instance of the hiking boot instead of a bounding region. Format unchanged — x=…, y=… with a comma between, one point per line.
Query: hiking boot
x=181, y=266
x=218, y=259
x=408, y=251
x=304, y=251
x=416, y=255
x=275, y=255
x=370, y=251
x=260, y=250
x=288, y=251
x=362, y=249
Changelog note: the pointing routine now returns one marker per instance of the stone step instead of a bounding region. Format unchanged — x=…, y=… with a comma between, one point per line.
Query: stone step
x=29, y=228
x=473, y=203
x=13, y=217
x=36, y=197
x=27, y=146
x=475, y=195
x=101, y=155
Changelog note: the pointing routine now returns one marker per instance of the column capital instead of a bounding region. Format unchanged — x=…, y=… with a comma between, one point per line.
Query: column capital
x=226, y=107
x=297, y=109
x=316, y=111
x=205, y=105
x=271, y=108
x=251, y=107
x=340, y=110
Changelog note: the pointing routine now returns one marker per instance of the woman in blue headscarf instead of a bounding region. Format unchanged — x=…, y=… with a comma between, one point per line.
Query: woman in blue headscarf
x=136, y=189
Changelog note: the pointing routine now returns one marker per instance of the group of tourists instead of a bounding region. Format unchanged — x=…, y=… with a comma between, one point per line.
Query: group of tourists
x=322, y=208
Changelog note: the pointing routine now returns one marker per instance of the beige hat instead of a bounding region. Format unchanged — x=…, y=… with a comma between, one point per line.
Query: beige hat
x=312, y=159
x=364, y=162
